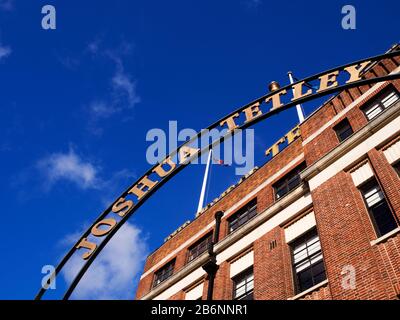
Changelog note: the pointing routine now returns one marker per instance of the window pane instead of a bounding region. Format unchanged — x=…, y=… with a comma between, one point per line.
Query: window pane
x=288, y=182
x=397, y=167
x=244, y=285
x=318, y=271
x=378, y=207
x=373, y=196
x=316, y=258
x=300, y=247
x=383, y=218
x=252, y=213
x=240, y=291
x=385, y=101
x=313, y=246
x=303, y=265
x=243, y=215
x=249, y=296
x=345, y=134
x=197, y=249
x=308, y=261
x=294, y=182
x=280, y=193
x=164, y=273
x=300, y=256
x=313, y=239
x=390, y=99
x=240, y=283
x=343, y=130
x=373, y=111
x=305, y=279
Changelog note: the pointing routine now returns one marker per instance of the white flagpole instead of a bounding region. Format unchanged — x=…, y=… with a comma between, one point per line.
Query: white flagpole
x=203, y=188
x=298, y=107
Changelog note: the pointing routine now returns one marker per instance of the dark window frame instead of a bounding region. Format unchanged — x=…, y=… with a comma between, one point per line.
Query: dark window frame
x=343, y=130
x=299, y=288
x=373, y=209
x=164, y=273
x=244, y=275
x=198, y=248
x=377, y=102
x=242, y=216
x=396, y=167
x=288, y=182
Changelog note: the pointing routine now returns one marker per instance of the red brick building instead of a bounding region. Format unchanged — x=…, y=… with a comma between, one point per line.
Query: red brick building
x=320, y=220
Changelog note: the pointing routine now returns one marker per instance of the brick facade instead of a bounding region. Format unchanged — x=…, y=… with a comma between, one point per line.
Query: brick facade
x=344, y=227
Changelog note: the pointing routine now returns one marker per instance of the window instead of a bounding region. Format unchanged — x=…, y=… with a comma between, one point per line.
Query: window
x=164, y=273
x=288, y=182
x=199, y=247
x=343, y=130
x=377, y=106
x=243, y=285
x=381, y=215
x=243, y=215
x=396, y=166
x=308, y=263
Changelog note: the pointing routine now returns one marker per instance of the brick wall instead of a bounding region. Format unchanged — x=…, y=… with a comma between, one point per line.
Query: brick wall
x=345, y=239
x=388, y=178
x=343, y=222
x=270, y=280
x=323, y=293
x=265, y=199
x=327, y=140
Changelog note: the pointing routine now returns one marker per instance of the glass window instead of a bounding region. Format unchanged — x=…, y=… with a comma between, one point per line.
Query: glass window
x=397, y=168
x=308, y=263
x=199, y=247
x=374, y=108
x=378, y=208
x=288, y=182
x=343, y=130
x=164, y=273
x=243, y=215
x=243, y=285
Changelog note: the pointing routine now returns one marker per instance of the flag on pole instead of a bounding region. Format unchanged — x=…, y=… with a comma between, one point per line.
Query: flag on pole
x=220, y=162
x=205, y=178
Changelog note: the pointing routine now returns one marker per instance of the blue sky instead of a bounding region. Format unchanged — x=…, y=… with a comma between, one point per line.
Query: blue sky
x=76, y=104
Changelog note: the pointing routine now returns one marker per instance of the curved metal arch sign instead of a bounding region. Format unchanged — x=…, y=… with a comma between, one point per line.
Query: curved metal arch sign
x=111, y=220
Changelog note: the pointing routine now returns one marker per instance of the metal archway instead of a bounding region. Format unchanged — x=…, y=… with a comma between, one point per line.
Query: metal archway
x=133, y=197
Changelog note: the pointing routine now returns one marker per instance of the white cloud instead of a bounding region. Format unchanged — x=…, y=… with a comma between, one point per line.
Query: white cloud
x=122, y=84
x=114, y=272
x=124, y=88
x=5, y=51
x=123, y=94
x=69, y=167
x=7, y=5
x=58, y=167
x=101, y=109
